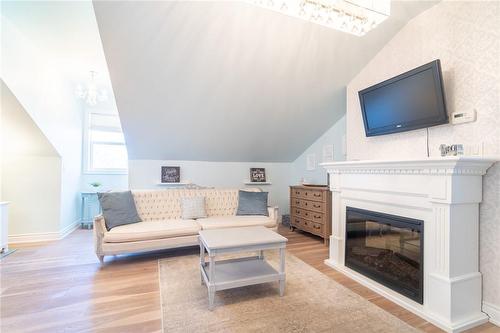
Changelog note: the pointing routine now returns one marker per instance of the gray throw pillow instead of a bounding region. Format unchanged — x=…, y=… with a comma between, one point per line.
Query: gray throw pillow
x=252, y=203
x=193, y=208
x=118, y=208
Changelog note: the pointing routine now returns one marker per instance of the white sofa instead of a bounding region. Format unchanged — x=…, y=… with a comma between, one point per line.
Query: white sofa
x=162, y=226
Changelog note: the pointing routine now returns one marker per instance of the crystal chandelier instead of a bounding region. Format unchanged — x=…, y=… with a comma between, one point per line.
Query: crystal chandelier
x=356, y=17
x=90, y=94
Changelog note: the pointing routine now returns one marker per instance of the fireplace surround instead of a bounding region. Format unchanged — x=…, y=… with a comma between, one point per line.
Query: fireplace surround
x=443, y=193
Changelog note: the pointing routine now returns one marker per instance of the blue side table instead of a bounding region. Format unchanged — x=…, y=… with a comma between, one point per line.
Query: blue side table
x=90, y=209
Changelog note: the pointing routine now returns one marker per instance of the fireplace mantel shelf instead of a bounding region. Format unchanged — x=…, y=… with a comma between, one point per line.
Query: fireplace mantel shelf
x=445, y=193
x=474, y=165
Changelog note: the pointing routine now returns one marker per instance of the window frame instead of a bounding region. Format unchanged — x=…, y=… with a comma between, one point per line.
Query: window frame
x=88, y=145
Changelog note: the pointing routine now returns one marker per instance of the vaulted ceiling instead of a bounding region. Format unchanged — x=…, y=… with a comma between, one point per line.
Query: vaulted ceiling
x=228, y=81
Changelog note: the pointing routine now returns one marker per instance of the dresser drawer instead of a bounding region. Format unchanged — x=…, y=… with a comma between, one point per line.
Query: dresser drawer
x=315, y=195
x=316, y=206
x=317, y=217
x=316, y=228
x=298, y=212
x=308, y=215
x=297, y=192
x=296, y=202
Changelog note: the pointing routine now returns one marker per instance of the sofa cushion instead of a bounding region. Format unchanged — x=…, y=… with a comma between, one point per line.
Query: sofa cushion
x=193, y=208
x=216, y=222
x=252, y=203
x=151, y=230
x=118, y=208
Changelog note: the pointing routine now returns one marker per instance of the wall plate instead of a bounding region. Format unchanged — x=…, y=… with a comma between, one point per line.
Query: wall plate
x=463, y=117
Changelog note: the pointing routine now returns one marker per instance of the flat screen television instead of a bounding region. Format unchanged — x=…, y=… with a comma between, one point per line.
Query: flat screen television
x=409, y=101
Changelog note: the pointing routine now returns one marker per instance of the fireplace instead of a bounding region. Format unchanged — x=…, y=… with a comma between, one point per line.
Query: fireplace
x=387, y=249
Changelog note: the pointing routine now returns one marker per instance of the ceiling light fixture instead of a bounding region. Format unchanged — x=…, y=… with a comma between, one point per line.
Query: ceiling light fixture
x=90, y=94
x=356, y=17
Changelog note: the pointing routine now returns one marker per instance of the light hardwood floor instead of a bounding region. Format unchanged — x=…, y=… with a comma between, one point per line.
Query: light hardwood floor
x=60, y=286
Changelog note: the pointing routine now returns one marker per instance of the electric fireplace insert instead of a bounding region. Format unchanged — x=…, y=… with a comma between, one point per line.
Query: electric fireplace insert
x=388, y=249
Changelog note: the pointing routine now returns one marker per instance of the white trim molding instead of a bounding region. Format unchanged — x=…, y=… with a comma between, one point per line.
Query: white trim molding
x=493, y=311
x=44, y=236
x=444, y=193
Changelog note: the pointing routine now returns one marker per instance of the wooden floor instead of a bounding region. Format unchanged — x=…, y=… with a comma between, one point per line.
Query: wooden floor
x=60, y=287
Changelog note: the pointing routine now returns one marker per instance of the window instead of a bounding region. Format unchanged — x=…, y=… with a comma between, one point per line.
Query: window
x=105, y=150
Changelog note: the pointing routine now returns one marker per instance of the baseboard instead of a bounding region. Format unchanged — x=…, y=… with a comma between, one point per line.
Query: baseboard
x=493, y=311
x=44, y=236
x=69, y=229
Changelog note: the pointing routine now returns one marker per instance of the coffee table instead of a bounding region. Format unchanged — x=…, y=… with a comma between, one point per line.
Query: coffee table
x=239, y=272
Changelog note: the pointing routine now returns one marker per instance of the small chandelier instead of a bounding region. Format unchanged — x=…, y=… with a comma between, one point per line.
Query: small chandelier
x=90, y=94
x=356, y=17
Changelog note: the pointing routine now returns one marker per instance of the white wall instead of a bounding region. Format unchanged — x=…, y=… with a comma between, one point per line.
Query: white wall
x=48, y=97
x=333, y=136
x=31, y=172
x=466, y=37
x=145, y=174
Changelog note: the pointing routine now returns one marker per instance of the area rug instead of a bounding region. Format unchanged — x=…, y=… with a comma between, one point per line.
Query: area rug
x=312, y=303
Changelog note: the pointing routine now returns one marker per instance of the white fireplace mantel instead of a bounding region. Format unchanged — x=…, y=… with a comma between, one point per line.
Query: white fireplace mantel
x=443, y=192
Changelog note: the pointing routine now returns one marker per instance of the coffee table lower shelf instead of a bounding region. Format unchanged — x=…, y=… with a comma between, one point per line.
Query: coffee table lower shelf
x=235, y=273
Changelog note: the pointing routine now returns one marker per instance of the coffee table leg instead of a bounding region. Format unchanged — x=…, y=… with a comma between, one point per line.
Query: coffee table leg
x=282, y=271
x=261, y=255
x=211, y=282
x=202, y=260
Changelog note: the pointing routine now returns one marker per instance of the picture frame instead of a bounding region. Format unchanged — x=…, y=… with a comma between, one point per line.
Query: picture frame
x=170, y=174
x=257, y=175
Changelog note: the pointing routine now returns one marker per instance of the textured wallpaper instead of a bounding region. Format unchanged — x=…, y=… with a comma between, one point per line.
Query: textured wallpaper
x=466, y=37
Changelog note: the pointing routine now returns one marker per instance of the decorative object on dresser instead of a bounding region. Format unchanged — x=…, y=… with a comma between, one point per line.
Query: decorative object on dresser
x=310, y=210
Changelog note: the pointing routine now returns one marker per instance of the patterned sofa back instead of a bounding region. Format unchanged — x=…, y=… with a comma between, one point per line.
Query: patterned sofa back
x=155, y=205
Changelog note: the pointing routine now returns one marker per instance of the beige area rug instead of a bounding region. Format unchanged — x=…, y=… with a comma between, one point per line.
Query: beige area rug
x=312, y=303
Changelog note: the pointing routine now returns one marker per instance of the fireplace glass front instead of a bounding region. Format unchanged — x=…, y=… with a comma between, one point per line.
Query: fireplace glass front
x=387, y=249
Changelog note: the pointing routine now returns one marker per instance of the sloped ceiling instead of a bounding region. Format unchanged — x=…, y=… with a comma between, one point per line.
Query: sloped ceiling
x=227, y=81
x=18, y=132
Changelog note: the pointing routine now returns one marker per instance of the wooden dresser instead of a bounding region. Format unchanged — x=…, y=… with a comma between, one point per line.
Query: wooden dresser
x=310, y=210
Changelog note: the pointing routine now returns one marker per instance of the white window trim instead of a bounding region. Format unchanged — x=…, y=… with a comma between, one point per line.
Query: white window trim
x=87, y=149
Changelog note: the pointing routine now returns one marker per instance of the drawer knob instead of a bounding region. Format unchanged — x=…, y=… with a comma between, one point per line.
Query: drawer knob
x=305, y=203
x=316, y=206
x=317, y=195
x=316, y=227
x=317, y=216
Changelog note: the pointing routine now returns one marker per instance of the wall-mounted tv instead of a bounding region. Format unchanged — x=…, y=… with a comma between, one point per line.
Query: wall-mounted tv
x=409, y=101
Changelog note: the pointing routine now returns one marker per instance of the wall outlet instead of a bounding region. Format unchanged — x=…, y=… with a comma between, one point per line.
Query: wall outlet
x=463, y=117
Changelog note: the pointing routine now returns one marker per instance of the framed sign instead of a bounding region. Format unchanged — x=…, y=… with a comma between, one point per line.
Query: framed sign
x=257, y=175
x=170, y=174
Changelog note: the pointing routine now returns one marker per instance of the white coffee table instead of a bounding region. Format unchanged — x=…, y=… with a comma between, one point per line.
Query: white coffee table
x=234, y=273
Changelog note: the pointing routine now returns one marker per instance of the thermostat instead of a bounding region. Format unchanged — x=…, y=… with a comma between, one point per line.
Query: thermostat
x=463, y=117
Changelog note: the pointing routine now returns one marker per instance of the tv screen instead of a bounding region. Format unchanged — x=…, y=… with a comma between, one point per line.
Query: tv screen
x=409, y=101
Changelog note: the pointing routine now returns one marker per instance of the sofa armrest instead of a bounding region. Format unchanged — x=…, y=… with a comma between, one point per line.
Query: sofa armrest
x=99, y=232
x=273, y=213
